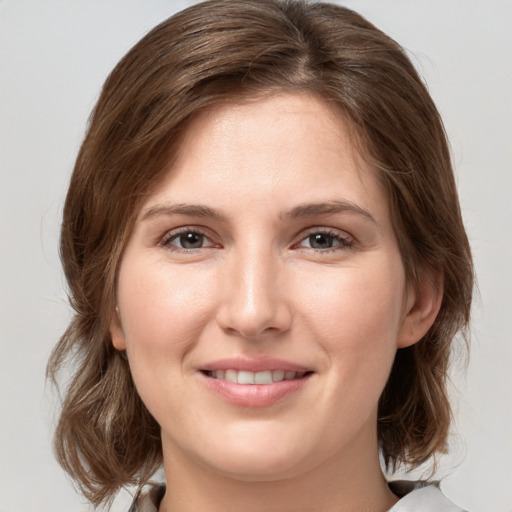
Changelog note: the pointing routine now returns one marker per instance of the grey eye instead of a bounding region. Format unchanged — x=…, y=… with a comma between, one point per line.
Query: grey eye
x=189, y=240
x=321, y=241
x=324, y=240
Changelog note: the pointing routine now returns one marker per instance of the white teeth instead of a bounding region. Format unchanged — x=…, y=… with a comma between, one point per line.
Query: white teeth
x=263, y=377
x=231, y=376
x=246, y=377
x=278, y=375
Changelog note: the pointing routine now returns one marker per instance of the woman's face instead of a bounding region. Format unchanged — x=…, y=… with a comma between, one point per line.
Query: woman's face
x=266, y=255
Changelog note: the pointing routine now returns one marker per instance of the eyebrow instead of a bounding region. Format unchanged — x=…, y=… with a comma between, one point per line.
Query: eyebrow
x=326, y=208
x=301, y=211
x=193, y=210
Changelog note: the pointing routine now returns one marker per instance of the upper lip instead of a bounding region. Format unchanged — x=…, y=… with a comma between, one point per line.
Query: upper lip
x=254, y=365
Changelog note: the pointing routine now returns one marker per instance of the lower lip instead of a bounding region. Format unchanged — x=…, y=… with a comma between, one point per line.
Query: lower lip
x=254, y=395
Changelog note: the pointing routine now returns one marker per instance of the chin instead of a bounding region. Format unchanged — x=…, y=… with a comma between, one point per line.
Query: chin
x=256, y=469
x=257, y=456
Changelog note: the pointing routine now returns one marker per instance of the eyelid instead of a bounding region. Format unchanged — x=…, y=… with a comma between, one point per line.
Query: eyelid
x=346, y=240
x=172, y=234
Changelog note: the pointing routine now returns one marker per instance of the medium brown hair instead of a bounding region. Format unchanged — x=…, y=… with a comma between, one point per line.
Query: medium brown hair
x=220, y=51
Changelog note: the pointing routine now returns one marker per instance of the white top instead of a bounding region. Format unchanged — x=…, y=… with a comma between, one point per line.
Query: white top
x=416, y=497
x=421, y=497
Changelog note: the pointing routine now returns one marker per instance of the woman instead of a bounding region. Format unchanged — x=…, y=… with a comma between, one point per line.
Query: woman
x=266, y=257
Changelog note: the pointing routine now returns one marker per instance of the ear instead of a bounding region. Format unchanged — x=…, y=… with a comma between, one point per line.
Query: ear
x=116, y=331
x=422, y=306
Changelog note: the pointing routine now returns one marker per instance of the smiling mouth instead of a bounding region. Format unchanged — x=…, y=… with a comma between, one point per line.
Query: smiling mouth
x=248, y=377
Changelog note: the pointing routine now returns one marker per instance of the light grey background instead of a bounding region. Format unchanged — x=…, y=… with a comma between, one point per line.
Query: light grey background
x=54, y=56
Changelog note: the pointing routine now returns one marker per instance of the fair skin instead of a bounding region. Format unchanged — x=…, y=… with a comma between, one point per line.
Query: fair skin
x=267, y=253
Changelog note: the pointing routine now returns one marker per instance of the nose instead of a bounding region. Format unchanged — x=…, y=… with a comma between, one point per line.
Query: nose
x=254, y=300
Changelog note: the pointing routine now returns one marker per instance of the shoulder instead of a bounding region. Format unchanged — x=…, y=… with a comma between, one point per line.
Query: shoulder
x=421, y=497
x=415, y=497
x=148, y=498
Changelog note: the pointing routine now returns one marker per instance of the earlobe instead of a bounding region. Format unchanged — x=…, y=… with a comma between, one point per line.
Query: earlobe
x=422, y=306
x=116, y=331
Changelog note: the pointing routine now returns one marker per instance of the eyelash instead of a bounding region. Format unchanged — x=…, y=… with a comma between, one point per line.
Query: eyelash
x=344, y=242
x=174, y=235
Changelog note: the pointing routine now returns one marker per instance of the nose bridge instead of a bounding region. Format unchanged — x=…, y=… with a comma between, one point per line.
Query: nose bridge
x=253, y=303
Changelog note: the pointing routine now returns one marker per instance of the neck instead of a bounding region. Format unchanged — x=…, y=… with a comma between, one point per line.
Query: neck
x=348, y=482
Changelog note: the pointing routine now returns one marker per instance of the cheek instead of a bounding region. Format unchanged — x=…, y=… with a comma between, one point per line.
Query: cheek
x=355, y=315
x=351, y=301
x=162, y=314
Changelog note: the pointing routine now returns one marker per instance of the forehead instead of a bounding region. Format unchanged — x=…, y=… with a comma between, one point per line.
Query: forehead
x=277, y=151
x=259, y=121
